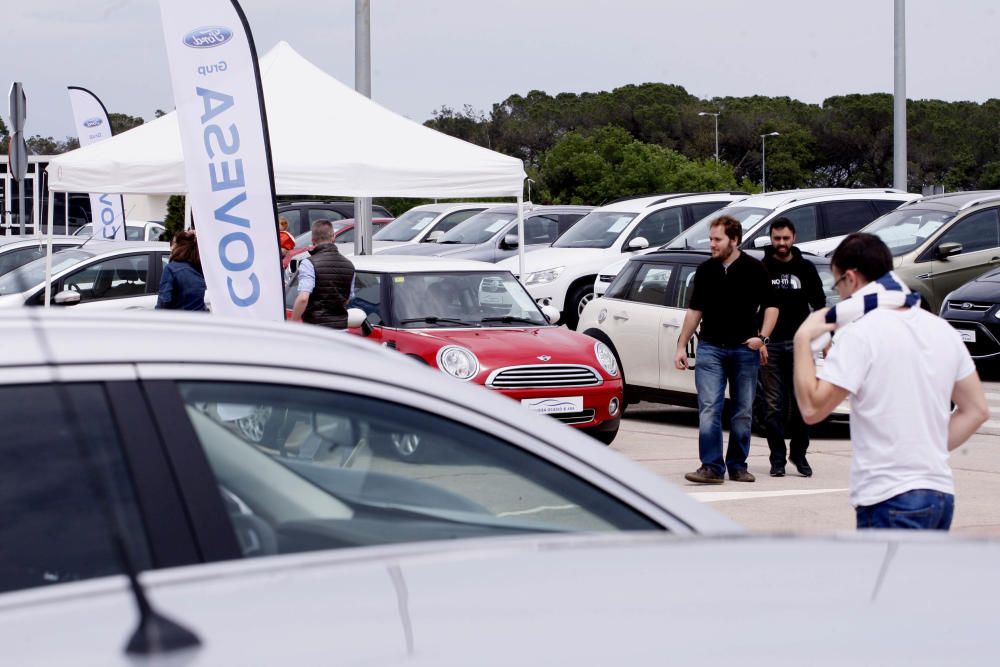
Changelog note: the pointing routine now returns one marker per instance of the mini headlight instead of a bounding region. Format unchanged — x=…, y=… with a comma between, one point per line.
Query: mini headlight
x=606, y=358
x=546, y=276
x=458, y=362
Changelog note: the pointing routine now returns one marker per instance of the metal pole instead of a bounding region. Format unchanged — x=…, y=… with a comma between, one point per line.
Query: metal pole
x=763, y=177
x=520, y=237
x=362, y=84
x=48, y=249
x=65, y=213
x=716, y=138
x=899, y=98
x=20, y=205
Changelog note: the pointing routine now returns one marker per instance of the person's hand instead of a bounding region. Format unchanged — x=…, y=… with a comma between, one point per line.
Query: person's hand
x=763, y=355
x=681, y=359
x=755, y=343
x=814, y=326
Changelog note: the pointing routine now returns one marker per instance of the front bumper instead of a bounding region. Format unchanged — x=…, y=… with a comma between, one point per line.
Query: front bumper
x=986, y=334
x=596, y=401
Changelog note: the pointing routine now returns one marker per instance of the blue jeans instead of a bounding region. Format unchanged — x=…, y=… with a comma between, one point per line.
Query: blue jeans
x=715, y=367
x=920, y=509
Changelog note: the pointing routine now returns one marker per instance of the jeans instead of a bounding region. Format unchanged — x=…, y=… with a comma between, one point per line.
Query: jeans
x=920, y=509
x=781, y=410
x=716, y=366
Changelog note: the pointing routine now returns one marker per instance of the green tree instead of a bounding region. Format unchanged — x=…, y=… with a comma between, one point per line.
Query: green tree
x=121, y=122
x=468, y=124
x=174, y=220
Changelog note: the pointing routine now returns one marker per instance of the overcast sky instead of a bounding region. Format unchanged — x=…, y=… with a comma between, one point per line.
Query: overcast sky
x=429, y=53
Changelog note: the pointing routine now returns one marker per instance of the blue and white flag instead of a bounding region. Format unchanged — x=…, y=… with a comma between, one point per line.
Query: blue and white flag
x=227, y=156
x=93, y=125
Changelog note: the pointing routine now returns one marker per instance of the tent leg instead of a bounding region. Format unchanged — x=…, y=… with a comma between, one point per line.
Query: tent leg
x=187, y=212
x=520, y=236
x=48, y=250
x=65, y=217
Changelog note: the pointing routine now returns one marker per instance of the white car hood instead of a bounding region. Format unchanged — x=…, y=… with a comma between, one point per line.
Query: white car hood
x=587, y=259
x=821, y=246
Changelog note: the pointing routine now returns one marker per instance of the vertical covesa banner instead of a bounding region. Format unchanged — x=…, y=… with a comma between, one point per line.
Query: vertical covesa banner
x=92, y=125
x=227, y=155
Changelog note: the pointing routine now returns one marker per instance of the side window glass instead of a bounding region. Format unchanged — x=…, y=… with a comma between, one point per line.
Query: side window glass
x=651, y=284
x=883, y=206
x=111, y=279
x=804, y=219
x=567, y=220
x=347, y=236
x=368, y=295
x=540, y=229
x=323, y=214
x=306, y=469
x=845, y=217
x=685, y=285
x=15, y=258
x=447, y=222
x=699, y=211
x=619, y=286
x=978, y=231
x=660, y=226
x=296, y=224
x=55, y=527
x=134, y=233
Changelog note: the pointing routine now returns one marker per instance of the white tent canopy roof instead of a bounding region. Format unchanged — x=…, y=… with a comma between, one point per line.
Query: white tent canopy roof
x=326, y=139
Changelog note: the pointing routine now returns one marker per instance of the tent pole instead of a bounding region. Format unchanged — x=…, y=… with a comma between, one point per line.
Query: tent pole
x=65, y=217
x=520, y=236
x=48, y=248
x=187, y=212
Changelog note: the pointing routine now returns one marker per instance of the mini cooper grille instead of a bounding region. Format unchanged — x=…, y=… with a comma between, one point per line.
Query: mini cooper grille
x=576, y=417
x=521, y=377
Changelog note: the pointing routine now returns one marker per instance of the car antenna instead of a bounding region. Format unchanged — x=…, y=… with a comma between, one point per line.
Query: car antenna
x=155, y=634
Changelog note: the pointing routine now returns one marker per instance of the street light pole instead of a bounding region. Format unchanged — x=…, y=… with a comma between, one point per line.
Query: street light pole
x=716, y=116
x=763, y=144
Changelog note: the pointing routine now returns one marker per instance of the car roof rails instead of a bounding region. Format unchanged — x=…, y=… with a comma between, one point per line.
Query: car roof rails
x=700, y=194
x=980, y=200
x=646, y=196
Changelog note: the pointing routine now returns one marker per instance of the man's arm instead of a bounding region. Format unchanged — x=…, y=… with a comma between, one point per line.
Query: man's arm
x=970, y=410
x=307, y=283
x=816, y=398
x=692, y=318
x=301, y=301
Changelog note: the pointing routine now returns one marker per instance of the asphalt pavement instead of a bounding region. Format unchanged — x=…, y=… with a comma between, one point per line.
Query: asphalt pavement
x=665, y=439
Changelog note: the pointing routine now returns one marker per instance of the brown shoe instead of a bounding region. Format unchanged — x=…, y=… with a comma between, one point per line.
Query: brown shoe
x=741, y=476
x=704, y=475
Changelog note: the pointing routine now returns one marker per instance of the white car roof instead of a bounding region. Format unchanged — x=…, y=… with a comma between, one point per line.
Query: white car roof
x=640, y=204
x=36, y=240
x=773, y=200
x=446, y=207
x=416, y=264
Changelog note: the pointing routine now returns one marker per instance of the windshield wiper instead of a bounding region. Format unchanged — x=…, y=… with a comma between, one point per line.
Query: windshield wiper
x=507, y=319
x=431, y=319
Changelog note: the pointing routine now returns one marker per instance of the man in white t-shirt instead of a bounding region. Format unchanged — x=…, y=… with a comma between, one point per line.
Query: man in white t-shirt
x=902, y=368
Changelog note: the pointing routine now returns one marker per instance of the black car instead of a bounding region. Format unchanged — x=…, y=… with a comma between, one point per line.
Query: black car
x=974, y=309
x=301, y=214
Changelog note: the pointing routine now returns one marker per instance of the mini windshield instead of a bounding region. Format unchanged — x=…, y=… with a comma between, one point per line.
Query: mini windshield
x=696, y=238
x=32, y=274
x=480, y=228
x=905, y=229
x=406, y=226
x=598, y=229
x=450, y=299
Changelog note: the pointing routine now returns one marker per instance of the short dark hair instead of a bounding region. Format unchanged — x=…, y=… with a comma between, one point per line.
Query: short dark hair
x=782, y=223
x=322, y=231
x=865, y=253
x=730, y=225
x=184, y=248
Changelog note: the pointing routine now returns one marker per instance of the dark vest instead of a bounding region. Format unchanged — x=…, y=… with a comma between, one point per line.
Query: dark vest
x=328, y=301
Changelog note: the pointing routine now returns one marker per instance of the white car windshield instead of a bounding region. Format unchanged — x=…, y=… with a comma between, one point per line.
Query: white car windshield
x=406, y=226
x=32, y=274
x=473, y=299
x=598, y=229
x=480, y=228
x=903, y=230
x=696, y=238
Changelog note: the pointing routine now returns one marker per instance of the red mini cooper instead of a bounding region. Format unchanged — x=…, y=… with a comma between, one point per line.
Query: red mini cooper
x=478, y=324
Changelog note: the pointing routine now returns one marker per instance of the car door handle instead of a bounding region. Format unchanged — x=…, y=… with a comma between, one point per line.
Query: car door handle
x=620, y=316
x=994, y=260
x=668, y=325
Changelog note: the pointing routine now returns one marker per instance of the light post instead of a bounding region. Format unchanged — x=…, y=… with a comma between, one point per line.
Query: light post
x=716, y=115
x=763, y=143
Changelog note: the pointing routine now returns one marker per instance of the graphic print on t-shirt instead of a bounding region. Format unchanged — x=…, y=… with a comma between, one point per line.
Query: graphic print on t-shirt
x=786, y=281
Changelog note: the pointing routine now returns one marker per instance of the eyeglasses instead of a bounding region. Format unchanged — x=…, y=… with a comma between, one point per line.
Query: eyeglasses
x=840, y=279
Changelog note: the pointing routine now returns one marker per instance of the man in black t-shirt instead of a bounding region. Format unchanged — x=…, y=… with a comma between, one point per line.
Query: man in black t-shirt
x=730, y=290
x=798, y=291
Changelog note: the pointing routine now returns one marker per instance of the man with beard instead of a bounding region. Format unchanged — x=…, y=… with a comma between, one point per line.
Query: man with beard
x=798, y=290
x=729, y=291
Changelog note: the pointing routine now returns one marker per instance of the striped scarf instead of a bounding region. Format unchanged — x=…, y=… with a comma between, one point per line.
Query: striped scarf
x=886, y=292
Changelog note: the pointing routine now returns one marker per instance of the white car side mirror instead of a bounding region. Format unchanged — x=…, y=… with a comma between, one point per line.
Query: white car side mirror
x=67, y=297
x=434, y=236
x=638, y=243
x=761, y=242
x=551, y=313
x=355, y=318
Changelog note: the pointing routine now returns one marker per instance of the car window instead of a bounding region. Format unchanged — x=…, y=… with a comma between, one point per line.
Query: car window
x=883, y=206
x=295, y=221
x=978, y=231
x=660, y=226
x=381, y=212
x=845, y=217
x=685, y=285
x=804, y=219
x=367, y=295
x=539, y=229
x=346, y=236
x=15, y=258
x=651, y=284
x=907, y=228
x=110, y=279
x=699, y=211
x=597, y=229
x=324, y=214
x=567, y=220
x=133, y=233
x=65, y=481
x=446, y=223
x=305, y=469
x=621, y=283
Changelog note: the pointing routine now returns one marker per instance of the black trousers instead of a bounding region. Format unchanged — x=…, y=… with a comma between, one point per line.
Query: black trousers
x=781, y=411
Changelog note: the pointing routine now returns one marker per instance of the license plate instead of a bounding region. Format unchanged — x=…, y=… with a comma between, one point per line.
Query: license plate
x=968, y=335
x=549, y=406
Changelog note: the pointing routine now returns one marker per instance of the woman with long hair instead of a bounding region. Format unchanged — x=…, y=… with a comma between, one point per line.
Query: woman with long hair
x=182, y=286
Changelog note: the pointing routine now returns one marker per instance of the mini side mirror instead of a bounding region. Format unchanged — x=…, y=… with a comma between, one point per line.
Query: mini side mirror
x=357, y=318
x=761, y=242
x=551, y=313
x=434, y=236
x=510, y=241
x=638, y=243
x=946, y=250
x=67, y=297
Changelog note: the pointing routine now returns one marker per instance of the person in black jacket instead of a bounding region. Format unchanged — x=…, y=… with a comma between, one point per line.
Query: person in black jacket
x=798, y=291
x=182, y=285
x=326, y=282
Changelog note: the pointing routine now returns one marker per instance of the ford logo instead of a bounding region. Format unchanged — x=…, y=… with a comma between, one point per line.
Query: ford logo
x=206, y=38
x=93, y=122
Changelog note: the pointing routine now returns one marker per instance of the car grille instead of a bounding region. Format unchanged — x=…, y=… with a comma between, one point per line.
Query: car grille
x=969, y=306
x=576, y=417
x=985, y=346
x=528, y=377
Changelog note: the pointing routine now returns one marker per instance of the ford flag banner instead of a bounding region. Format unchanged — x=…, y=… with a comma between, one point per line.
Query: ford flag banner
x=92, y=125
x=227, y=156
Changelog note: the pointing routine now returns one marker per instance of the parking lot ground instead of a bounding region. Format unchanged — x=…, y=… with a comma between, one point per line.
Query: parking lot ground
x=665, y=439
